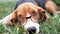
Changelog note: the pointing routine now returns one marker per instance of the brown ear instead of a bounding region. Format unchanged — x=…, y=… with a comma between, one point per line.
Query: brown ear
x=43, y=16
x=40, y=9
x=14, y=17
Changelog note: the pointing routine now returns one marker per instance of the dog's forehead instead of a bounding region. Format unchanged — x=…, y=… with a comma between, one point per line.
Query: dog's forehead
x=28, y=6
x=25, y=9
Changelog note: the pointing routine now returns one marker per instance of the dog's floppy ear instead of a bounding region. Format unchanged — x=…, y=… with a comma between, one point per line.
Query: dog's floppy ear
x=14, y=17
x=43, y=16
x=40, y=9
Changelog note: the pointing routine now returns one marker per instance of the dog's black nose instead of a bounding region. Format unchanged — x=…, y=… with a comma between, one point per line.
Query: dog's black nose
x=31, y=30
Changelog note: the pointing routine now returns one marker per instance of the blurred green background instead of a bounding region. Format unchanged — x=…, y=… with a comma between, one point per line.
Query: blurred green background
x=51, y=26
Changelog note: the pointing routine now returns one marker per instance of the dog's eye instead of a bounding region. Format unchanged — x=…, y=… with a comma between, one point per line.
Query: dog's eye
x=20, y=17
x=34, y=13
x=43, y=11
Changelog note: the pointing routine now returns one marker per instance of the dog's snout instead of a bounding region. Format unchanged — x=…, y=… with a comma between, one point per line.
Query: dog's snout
x=31, y=30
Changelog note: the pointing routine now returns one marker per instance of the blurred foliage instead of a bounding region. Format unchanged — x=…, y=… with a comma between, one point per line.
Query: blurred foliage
x=52, y=26
x=57, y=2
x=10, y=29
x=6, y=8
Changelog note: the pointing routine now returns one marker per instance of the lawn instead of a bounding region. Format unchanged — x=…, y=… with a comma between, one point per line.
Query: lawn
x=51, y=26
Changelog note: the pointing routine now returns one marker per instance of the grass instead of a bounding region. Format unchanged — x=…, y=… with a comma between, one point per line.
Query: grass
x=51, y=26
x=6, y=8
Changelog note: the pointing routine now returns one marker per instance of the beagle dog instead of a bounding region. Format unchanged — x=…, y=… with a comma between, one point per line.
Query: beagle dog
x=26, y=14
x=48, y=5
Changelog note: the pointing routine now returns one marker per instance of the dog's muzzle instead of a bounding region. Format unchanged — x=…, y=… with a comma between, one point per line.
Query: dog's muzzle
x=31, y=27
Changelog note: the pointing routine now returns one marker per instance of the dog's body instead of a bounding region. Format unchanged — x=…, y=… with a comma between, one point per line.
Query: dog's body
x=40, y=3
x=45, y=4
x=27, y=13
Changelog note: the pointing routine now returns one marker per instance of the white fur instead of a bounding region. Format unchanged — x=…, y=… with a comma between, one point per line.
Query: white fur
x=30, y=23
x=28, y=15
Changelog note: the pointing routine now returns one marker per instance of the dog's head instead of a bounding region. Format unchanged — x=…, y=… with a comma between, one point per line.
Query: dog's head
x=28, y=14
